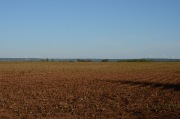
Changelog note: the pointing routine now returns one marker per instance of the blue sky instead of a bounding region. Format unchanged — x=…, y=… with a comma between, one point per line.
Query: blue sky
x=90, y=28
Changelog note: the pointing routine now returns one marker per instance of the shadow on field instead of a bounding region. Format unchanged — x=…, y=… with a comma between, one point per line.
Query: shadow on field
x=175, y=87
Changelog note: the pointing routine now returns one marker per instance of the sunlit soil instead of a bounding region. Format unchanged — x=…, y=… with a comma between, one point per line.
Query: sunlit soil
x=52, y=90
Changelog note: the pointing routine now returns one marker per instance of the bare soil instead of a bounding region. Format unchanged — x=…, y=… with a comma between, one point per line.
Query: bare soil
x=64, y=90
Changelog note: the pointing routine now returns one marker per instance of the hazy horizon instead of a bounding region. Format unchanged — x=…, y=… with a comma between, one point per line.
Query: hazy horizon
x=103, y=29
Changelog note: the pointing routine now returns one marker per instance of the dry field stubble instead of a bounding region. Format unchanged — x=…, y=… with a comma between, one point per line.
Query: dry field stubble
x=51, y=90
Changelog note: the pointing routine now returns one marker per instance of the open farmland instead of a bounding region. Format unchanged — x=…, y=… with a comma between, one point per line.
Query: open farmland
x=71, y=90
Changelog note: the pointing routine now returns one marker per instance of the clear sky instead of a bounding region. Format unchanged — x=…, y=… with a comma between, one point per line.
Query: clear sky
x=90, y=28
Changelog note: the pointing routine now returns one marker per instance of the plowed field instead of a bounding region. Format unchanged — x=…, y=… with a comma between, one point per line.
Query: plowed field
x=52, y=90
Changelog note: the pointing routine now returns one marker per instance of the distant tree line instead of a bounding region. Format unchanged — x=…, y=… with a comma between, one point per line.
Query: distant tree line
x=103, y=60
x=136, y=60
x=84, y=60
x=47, y=60
x=87, y=60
